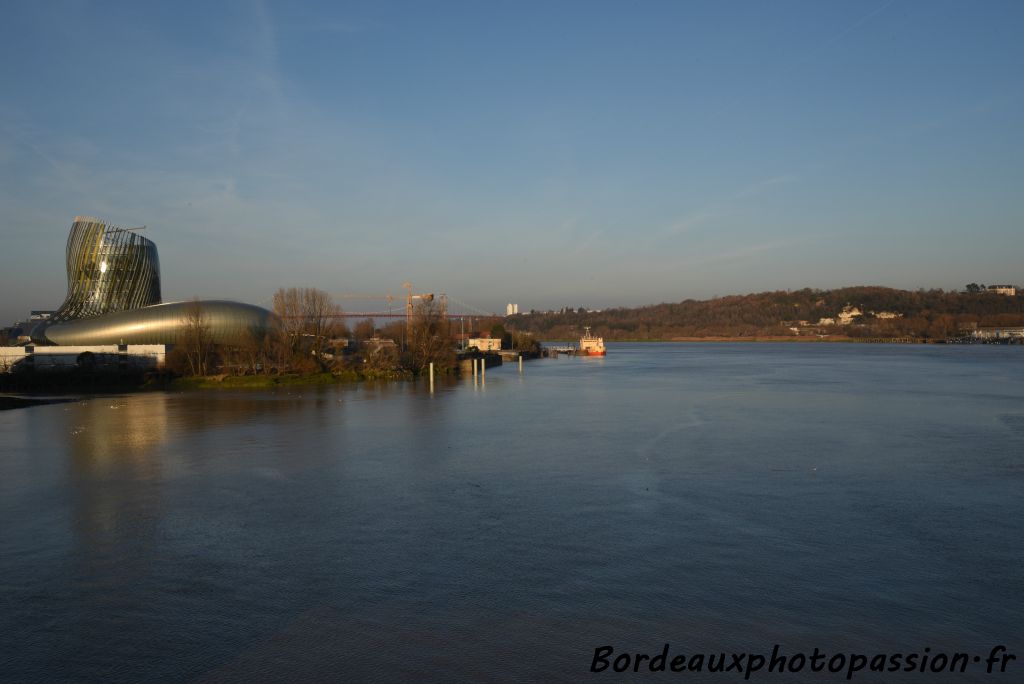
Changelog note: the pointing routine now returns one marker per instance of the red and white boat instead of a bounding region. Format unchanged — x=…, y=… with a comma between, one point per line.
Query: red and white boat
x=590, y=345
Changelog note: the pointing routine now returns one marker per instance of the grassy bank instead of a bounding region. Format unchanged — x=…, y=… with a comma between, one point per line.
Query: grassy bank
x=272, y=381
x=256, y=381
x=77, y=382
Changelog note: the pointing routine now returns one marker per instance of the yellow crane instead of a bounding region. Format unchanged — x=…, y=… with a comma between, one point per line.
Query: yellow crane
x=423, y=297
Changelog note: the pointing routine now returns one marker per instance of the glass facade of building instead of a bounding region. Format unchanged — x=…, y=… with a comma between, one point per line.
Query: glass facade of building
x=114, y=297
x=109, y=269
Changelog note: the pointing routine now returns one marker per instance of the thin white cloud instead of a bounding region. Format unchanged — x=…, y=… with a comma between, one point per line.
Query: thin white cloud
x=336, y=27
x=690, y=222
x=726, y=206
x=746, y=252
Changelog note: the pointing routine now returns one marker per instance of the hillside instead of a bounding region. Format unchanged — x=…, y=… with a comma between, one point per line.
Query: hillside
x=884, y=313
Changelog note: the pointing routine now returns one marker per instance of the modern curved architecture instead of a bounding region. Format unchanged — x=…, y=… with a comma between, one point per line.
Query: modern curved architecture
x=109, y=269
x=224, y=322
x=114, y=297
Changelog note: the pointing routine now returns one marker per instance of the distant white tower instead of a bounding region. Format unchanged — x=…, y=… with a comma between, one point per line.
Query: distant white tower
x=511, y=309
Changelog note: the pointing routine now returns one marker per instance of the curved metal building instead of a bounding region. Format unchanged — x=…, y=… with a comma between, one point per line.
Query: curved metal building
x=109, y=269
x=114, y=297
x=223, y=322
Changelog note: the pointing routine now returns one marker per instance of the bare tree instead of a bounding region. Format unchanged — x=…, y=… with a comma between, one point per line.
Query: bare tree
x=309, y=318
x=249, y=355
x=380, y=356
x=196, y=339
x=430, y=338
x=321, y=319
x=288, y=308
x=364, y=329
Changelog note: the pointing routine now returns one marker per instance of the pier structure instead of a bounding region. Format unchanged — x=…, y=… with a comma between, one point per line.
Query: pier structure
x=470, y=363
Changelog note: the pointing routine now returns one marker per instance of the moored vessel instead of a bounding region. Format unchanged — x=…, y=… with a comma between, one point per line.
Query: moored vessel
x=591, y=345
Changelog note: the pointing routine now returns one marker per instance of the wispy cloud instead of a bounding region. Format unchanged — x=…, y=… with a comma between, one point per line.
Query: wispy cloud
x=724, y=206
x=336, y=27
x=688, y=223
x=746, y=252
x=847, y=30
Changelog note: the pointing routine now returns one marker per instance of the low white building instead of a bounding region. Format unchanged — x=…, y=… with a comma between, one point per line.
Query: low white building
x=134, y=356
x=1008, y=290
x=849, y=313
x=998, y=333
x=485, y=343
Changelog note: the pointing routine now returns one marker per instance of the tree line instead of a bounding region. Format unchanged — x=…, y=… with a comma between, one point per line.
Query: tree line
x=308, y=335
x=921, y=314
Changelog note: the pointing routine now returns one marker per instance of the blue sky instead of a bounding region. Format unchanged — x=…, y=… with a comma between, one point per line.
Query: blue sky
x=549, y=153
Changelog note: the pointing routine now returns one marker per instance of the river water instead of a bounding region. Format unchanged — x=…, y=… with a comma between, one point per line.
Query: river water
x=715, y=497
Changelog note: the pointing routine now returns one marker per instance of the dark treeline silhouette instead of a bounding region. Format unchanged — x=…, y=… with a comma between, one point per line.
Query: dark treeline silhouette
x=921, y=314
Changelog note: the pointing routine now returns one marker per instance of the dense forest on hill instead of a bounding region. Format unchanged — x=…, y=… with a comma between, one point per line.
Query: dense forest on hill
x=923, y=314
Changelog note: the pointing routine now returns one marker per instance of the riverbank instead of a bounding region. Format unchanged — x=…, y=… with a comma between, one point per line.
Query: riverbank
x=28, y=391
x=271, y=381
x=252, y=381
x=722, y=338
x=767, y=338
x=114, y=383
x=773, y=339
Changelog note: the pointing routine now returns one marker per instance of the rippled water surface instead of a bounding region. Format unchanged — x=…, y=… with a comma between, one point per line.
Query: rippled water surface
x=716, y=497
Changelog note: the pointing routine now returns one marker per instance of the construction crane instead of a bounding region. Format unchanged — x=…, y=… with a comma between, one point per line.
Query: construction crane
x=423, y=297
x=410, y=299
